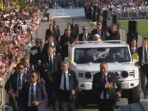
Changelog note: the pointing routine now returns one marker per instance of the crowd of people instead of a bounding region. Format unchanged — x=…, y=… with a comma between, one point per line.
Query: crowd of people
x=125, y=9
x=16, y=30
x=44, y=75
x=45, y=60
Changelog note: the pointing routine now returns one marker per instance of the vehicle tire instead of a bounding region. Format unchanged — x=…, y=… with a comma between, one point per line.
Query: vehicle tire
x=134, y=95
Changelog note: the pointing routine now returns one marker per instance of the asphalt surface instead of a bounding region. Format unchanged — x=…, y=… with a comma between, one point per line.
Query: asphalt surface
x=62, y=22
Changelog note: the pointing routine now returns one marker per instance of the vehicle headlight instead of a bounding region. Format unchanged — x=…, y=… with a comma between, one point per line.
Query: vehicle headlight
x=88, y=75
x=124, y=74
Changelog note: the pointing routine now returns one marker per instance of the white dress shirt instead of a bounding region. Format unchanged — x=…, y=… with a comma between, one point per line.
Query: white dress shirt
x=85, y=36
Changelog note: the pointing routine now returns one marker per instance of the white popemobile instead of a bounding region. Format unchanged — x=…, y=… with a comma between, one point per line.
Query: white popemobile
x=85, y=57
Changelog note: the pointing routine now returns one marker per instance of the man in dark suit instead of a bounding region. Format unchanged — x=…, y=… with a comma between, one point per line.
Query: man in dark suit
x=74, y=29
x=143, y=62
x=14, y=85
x=27, y=66
x=105, y=83
x=51, y=65
x=65, y=40
x=85, y=36
x=133, y=46
x=56, y=31
x=67, y=84
x=113, y=33
x=32, y=94
x=51, y=42
x=35, y=54
x=49, y=32
x=98, y=31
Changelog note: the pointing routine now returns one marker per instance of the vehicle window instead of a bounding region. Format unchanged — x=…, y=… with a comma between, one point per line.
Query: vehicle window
x=97, y=55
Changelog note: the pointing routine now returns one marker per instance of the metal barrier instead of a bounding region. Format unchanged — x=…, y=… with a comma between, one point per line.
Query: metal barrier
x=134, y=14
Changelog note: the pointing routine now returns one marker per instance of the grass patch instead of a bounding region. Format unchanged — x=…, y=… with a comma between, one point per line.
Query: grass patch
x=142, y=26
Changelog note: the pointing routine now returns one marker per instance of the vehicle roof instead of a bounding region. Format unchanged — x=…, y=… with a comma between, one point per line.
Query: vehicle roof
x=90, y=44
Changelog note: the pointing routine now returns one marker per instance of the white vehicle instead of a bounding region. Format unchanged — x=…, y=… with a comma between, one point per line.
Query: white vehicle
x=85, y=58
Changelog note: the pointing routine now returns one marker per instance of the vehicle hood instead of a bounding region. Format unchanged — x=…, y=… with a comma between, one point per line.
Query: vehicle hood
x=91, y=67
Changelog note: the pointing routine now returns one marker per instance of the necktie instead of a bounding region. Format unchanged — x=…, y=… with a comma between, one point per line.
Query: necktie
x=19, y=82
x=65, y=82
x=32, y=93
x=105, y=92
x=51, y=65
x=19, y=85
x=145, y=54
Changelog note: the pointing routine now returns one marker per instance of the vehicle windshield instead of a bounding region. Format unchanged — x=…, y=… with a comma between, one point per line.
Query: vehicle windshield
x=103, y=54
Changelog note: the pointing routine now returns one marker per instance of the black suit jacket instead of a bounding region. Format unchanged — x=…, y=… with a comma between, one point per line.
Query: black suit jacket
x=64, y=46
x=48, y=72
x=73, y=85
x=40, y=92
x=140, y=53
x=35, y=55
x=48, y=33
x=45, y=49
x=113, y=36
x=11, y=84
x=99, y=84
x=81, y=37
x=73, y=82
x=95, y=31
x=74, y=31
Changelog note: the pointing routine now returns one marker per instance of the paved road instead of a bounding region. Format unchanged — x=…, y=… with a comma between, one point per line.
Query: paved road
x=62, y=22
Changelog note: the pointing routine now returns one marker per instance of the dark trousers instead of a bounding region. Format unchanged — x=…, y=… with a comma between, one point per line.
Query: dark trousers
x=51, y=99
x=66, y=105
x=66, y=101
x=106, y=105
x=15, y=103
x=51, y=94
x=143, y=77
x=30, y=109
